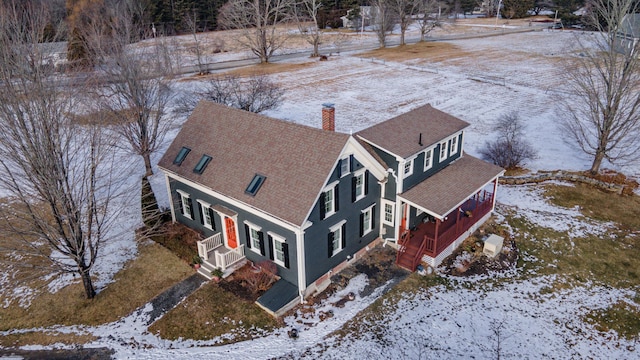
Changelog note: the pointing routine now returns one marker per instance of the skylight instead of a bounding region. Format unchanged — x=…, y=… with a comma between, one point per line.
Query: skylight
x=255, y=184
x=182, y=154
x=202, y=164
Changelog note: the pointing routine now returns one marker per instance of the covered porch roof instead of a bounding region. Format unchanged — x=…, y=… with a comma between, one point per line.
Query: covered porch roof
x=449, y=188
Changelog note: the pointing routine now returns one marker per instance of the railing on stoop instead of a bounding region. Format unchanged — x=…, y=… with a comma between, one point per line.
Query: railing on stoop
x=230, y=257
x=208, y=244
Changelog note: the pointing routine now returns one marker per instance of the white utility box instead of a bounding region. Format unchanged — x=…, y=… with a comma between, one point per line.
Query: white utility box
x=493, y=245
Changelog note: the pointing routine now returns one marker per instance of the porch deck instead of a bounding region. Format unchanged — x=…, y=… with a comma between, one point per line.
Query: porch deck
x=432, y=236
x=215, y=254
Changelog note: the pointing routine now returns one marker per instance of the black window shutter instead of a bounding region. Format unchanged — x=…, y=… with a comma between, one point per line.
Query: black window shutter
x=352, y=163
x=271, y=249
x=190, y=207
x=201, y=214
x=330, y=241
x=247, y=233
x=361, y=224
x=336, y=200
x=213, y=222
x=285, y=251
x=373, y=217
x=366, y=182
x=261, y=241
x=344, y=236
x=340, y=168
x=322, y=198
x=354, y=184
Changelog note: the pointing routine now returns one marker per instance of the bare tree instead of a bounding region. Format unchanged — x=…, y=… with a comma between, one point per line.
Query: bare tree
x=404, y=11
x=191, y=22
x=55, y=171
x=306, y=14
x=258, y=21
x=427, y=16
x=382, y=19
x=510, y=149
x=133, y=94
x=603, y=111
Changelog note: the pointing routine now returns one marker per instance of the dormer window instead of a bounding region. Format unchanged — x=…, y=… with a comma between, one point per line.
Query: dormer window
x=182, y=154
x=202, y=164
x=443, y=151
x=255, y=184
x=454, y=145
x=408, y=167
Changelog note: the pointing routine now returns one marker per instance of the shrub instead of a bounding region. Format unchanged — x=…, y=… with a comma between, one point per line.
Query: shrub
x=509, y=150
x=260, y=278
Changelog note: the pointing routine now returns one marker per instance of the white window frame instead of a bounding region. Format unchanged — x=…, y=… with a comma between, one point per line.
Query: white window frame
x=410, y=169
x=360, y=174
x=337, y=228
x=386, y=203
x=277, y=239
x=428, y=164
x=204, y=207
x=255, y=242
x=330, y=189
x=444, y=149
x=453, y=147
x=344, y=172
x=186, y=209
x=368, y=228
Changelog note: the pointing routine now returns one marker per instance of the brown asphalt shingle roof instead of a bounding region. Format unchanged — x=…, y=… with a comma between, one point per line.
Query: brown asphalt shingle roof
x=453, y=185
x=295, y=159
x=400, y=134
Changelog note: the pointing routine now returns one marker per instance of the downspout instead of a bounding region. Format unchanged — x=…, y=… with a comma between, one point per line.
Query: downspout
x=173, y=213
x=302, y=280
x=395, y=227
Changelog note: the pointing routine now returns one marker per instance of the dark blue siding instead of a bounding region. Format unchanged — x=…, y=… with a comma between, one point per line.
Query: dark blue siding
x=317, y=258
x=420, y=175
x=290, y=274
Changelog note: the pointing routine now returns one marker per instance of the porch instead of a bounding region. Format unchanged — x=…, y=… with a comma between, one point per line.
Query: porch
x=432, y=236
x=215, y=254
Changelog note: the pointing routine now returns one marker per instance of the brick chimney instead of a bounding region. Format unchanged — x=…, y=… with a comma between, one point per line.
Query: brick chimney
x=328, y=117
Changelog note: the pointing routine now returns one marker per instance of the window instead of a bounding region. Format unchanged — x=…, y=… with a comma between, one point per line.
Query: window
x=202, y=164
x=367, y=220
x=329, y=200
x=336, y=238
x=359, y=184
x=389, y=212
x=255, y=237
x=182, y=154
x=408, y=167
x=345, y=166
x=428, y=159
x=255, y=184
x=454, y=145
x=206, y=215
x=443, y=151
x=185, y=204
x=279, y=250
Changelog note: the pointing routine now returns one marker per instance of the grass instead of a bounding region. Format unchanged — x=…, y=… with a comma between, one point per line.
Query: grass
x=153, y=271
x=178, y=239
x=621, y=317
x=211, y=312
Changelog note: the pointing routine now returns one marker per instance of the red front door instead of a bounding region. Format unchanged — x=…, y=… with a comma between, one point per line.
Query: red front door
x=232, y=242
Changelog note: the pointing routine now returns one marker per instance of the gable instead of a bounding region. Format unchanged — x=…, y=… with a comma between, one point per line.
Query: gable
x=293, y=160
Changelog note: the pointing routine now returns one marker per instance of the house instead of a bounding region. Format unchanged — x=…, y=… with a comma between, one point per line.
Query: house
x=311, y=200
x=628, y=34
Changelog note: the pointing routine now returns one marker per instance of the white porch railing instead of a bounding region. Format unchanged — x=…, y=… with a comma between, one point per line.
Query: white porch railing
x=208, y=244
x=230, y=257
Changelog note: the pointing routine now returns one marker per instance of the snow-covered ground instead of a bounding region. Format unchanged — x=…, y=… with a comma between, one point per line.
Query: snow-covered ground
x=498, y=75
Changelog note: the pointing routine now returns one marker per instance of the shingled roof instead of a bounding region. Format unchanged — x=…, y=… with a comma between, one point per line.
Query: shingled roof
x=401, y=134
x=295, y=159
x=451, y=186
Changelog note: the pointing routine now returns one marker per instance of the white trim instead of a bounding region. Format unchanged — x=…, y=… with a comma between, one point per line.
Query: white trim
x=362, y=173
x=173, y=210
x=240, y=205
x=346, y=157
x=454, y=139
x=250, y=239
x=332, y=211
x=275, y=237
x=430, y=165
x=383, y=212
x=225, y=237
x=364, y=211
x=300, y=261
x=258, y=228
x=183, y=193
x=205, y=206
x=404, y=167
x=444, y=145
x=183, y=196
x=338, y=225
